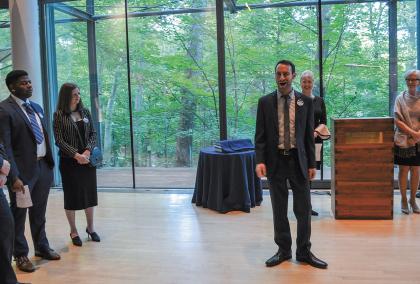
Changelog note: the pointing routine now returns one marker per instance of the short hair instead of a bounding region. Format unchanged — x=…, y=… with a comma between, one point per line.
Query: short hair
x=412, y=71
x=307, y=73
x=13, y=76
x=64, y=98
x=286, y=62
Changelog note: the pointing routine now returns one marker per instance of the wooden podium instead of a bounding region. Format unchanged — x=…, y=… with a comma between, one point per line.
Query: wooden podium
x=362, y=170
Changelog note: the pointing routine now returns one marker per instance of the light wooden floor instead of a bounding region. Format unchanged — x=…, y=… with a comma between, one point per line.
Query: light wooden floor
x=152, y=177
x=163, y=238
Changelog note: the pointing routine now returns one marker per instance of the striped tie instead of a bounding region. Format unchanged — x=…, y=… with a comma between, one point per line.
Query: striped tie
x=286, y=123
x=35, y=126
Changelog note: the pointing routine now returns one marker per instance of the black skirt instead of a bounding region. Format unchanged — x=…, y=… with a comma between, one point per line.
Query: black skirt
x=410, y=160
x=79, y=184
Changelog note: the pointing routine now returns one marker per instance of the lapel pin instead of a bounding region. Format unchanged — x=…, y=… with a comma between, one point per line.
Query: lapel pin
x=300, y=102
x=85, y=120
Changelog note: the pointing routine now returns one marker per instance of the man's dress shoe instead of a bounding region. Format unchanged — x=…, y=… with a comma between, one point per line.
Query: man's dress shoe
x=278, y=258
x=312, y=260
x=48, y=254
x=24, y=264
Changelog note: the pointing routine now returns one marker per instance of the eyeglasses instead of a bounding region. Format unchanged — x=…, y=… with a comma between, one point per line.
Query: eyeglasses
x=412, y=80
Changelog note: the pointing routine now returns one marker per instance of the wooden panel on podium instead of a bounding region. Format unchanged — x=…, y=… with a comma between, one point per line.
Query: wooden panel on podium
x=362, y=175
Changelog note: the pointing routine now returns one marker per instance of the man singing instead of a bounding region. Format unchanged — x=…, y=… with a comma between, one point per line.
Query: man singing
x=285, y=150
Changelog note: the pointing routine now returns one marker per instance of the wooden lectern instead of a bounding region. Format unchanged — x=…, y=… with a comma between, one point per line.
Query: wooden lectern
x=362, y=170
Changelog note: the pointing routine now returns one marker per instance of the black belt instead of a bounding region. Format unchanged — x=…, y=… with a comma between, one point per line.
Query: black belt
x=285, y=152
x=40, y=158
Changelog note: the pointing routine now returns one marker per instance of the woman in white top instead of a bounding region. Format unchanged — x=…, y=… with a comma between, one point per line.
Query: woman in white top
x=407, y=140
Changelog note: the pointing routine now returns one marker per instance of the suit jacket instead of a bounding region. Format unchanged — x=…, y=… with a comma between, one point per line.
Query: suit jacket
x=320, y=114
x=19, y=140
x=267, y=132
x=67, y=136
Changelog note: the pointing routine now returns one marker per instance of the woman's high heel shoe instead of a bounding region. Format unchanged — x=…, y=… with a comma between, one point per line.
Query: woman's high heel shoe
x=93, y=236
x=414, y=206
x=404, y=207
x=76, y=241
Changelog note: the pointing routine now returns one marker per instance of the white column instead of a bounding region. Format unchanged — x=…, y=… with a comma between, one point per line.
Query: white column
x=26, y=50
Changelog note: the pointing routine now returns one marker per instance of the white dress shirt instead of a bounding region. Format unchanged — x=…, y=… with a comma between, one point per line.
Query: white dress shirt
x=41, y=149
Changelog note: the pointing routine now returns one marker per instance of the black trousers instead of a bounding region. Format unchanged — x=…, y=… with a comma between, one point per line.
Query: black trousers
x=7, y=275
x=40, y=188
x=288, y=170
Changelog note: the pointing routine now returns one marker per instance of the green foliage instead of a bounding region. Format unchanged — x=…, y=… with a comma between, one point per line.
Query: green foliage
x=5, y=53
x=174, y=71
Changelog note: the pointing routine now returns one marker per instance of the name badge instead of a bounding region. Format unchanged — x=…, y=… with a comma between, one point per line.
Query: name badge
x=300, y=102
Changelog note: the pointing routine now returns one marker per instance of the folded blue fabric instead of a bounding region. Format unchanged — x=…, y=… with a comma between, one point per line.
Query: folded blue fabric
x=237, y=145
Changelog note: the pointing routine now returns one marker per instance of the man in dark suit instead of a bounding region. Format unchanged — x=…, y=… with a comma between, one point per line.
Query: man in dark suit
x=285, y=151
x=22, y=129
x=7, y=275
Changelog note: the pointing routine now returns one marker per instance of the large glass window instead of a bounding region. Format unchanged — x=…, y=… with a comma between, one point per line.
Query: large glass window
x=407, y=39
x=71, y=55
x=355, y=51
x=255, y=41
x=173, y=72
x=90, y=55
x=114, y=103
x=173, y=89
x=174, y=95
x=355, y=55
x=5, y=51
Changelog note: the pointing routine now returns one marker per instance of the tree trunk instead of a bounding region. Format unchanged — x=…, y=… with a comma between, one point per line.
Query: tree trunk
x=137, y=108
x=108, y=122
x=188, y=101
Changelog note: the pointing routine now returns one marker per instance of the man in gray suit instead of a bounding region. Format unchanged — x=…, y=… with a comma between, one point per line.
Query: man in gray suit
x=285, y=151
x=22, y=129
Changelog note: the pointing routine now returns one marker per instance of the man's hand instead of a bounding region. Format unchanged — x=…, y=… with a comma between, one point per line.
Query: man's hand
x=5, y=169
x=261, y=170
x=311, y=173
x=18, y=186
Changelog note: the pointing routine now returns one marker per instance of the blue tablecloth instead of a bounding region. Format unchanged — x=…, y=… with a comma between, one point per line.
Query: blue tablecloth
x=227, y=181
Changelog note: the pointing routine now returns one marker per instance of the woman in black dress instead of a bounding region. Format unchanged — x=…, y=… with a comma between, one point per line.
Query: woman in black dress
x=75, y=137
x=320, y=114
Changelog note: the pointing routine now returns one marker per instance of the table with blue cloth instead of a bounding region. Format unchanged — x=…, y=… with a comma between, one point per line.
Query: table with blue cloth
x=227, y=181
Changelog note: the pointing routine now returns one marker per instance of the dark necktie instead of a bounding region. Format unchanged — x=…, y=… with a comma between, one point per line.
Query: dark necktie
x=35, y=126
x=286, y=124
